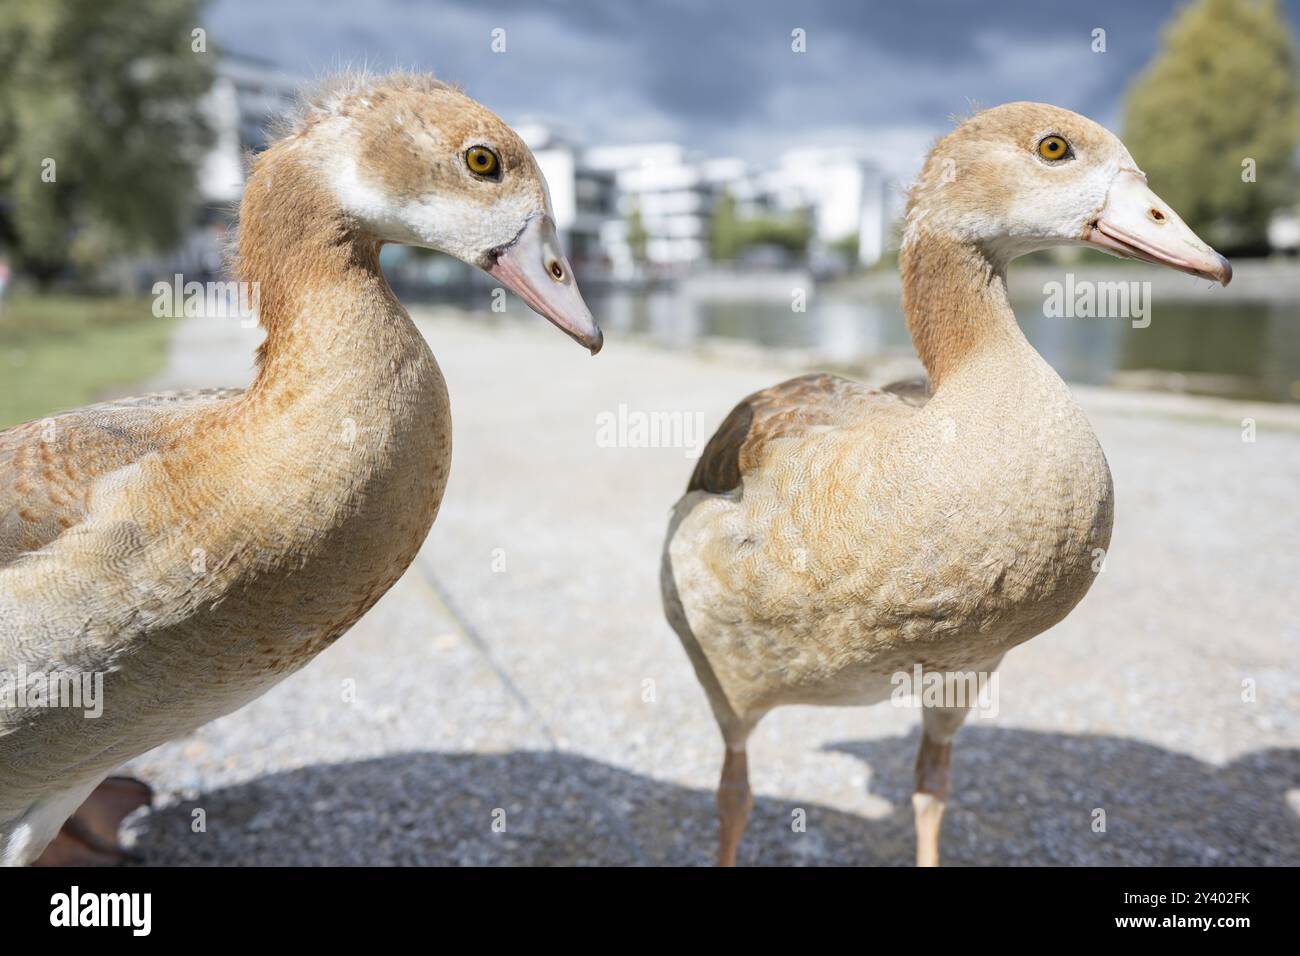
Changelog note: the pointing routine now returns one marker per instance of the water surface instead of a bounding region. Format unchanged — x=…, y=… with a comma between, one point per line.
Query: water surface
x=1247, y=350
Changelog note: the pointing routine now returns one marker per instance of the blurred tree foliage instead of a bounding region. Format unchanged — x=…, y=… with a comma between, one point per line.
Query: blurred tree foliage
x=637, y=238
x=724, y=229
x=109, y=90
x=1222, y=90
x=729, y=234
x=846, y=247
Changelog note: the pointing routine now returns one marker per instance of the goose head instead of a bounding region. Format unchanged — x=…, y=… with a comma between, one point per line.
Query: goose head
x=414, y=161
x=1027, y=176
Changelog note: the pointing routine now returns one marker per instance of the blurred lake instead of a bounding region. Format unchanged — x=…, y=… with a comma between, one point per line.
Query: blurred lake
x=1246, y=350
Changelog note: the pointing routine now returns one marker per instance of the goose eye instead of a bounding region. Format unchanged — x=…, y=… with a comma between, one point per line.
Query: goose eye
x=481, y=161
x=1053, y=148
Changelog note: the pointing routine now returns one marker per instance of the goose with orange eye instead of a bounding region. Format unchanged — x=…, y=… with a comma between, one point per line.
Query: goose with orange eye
x=482, y=161
x=1054, y=149
x=461, y=182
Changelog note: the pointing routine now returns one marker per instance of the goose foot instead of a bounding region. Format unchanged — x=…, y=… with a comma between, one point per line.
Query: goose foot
x=89, y=837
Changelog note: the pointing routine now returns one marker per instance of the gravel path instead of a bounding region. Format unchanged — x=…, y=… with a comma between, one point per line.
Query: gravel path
x=518, y=698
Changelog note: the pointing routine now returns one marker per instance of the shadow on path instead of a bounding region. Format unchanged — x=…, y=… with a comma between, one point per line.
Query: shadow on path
x=1020, y=798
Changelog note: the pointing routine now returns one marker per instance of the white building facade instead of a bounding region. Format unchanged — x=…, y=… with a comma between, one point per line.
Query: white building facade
x=651, y=204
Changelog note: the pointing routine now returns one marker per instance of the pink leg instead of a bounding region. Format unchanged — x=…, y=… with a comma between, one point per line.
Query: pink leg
x=735, y=801
x=932, y=778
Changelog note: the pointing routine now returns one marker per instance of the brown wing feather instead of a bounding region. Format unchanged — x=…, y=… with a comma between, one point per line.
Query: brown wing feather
x=48, y=467
x=790, y=408
x=914, y=391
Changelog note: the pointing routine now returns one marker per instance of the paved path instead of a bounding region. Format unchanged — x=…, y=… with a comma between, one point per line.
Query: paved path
x=522, y=669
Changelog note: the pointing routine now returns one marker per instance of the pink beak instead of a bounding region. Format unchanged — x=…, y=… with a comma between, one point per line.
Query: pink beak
x=534, y=268
x=1136, y=224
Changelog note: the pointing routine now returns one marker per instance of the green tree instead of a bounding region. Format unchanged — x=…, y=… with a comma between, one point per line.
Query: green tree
x=846, y=247
x=1221, y=93
x=791, y=231
x=637, y=237
x=725, y=237
x=101, y=131
x=729, y=234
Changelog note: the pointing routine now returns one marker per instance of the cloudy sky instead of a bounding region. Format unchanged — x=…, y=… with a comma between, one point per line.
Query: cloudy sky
x=721, y=76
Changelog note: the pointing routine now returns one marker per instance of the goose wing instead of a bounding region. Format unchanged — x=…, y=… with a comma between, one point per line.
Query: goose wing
x=794, y=407
x=48, y=467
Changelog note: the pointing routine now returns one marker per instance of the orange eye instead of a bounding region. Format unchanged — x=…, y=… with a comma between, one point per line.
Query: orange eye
x=1053, y=148
x=481, y=161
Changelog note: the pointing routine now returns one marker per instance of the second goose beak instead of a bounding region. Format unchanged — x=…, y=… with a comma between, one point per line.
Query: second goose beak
x=535, y=269
x=1136, y=224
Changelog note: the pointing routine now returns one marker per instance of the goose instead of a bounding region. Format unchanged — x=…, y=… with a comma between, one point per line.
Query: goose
x=835, y=538
x=191, y=549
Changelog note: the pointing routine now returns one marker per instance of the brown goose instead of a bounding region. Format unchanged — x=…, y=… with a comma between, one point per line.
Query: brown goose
x=834, y=535
x=193, y=549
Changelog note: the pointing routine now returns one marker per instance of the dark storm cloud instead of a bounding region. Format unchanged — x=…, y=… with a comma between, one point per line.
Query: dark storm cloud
x=883, y=75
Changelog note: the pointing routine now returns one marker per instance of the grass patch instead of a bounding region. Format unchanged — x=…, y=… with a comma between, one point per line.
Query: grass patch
x=63, y=351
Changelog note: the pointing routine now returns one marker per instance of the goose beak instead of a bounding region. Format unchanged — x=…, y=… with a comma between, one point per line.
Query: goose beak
x=534, y=268
x=1136, y=224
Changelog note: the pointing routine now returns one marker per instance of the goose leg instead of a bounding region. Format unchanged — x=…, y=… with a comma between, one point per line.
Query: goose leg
x=89, y=837
x=735, y=801
x=939, y=726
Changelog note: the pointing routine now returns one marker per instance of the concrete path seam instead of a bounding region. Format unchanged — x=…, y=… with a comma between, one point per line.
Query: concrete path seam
x=471, y=634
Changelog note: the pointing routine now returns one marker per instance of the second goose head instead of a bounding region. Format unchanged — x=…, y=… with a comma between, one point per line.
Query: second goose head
x=1027, y=176
x=415, y=161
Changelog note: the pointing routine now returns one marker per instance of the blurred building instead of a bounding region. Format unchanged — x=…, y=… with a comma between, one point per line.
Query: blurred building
x=1284, y=231
x=622, y=211
x=846, y=194
x=651, y=204
x=664, y=200
x=245, y=98
x=585, y=201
